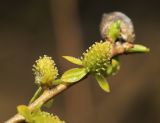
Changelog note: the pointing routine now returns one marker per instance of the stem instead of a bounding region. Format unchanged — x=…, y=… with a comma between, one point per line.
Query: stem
x=47, y=95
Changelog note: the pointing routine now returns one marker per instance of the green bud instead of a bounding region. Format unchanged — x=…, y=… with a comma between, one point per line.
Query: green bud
x=45, y=71
x=114, y=30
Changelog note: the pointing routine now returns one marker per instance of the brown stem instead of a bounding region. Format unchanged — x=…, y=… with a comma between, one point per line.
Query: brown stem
x=119, y=48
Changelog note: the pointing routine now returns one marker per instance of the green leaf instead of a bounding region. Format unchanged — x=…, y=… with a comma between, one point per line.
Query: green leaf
x=24, y=111
x=103, y=83
x=114, y=30
x=137, y=48
x=74, y=75
x=36, y=95
x=57, y=82
x=73, y=60
x=114, y=67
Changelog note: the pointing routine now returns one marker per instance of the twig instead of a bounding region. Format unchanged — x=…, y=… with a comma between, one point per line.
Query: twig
x=47, y=95
x=50, y=93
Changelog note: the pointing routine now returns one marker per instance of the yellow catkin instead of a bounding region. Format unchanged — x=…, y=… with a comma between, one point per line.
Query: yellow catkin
x=45, y=71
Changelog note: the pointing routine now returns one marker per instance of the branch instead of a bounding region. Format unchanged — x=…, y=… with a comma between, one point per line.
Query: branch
x=118, y=49
x=47, y=95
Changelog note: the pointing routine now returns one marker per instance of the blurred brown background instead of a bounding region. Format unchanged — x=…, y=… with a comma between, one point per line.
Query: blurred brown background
x=30, y=28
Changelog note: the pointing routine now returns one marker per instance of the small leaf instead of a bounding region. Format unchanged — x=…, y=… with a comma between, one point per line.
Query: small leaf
x=36, y=95
x=74, y=75
x=114, y=30
x=114, y=67
x=73, y=60
x=24, y=111
x=137, y=48
x=103, y=83
x=57, y=82
x=109, y=70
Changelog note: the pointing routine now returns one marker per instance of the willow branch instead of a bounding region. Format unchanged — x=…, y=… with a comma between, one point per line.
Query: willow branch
x=50, y=93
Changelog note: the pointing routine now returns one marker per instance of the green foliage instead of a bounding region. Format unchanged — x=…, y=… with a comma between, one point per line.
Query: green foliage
x=114, y=30
x=97, y=61
x=102, y=83
x=37, y=116
x=74, y=75
x=73, y=60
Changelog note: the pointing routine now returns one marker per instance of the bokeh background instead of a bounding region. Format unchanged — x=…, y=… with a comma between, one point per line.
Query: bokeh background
x=32, y=28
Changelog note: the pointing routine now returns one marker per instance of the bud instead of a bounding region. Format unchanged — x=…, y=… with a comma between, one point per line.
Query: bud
x=45, y=71
x=126, y=27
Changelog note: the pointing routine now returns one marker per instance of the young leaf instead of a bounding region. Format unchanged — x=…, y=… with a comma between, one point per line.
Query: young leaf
x=103, y=83
x=73, y=60
x=57, y=82
x=36, y=95
x=114, y=67
x=74, y=75
x=24, y=111
x=114, y=30
x=137, y=48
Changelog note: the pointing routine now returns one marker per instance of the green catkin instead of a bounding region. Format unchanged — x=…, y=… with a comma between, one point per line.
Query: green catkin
x=97, y=58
